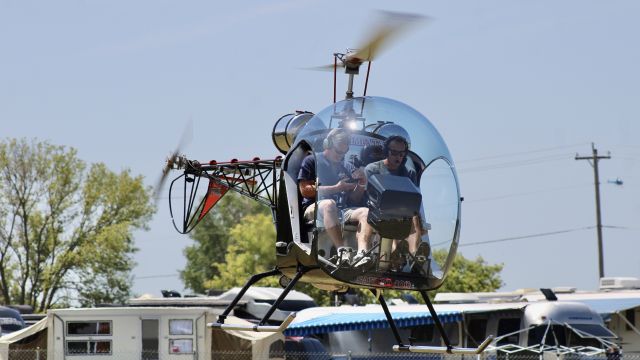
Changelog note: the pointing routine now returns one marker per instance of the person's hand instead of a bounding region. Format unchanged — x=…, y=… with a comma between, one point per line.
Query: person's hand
x=343, y=185
x=360, y=176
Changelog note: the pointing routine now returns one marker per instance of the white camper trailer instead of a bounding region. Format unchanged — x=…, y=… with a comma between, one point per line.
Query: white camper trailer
x=160, y=333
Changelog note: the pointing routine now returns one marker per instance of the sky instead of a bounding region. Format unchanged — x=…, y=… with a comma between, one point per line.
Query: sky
x=516, y=88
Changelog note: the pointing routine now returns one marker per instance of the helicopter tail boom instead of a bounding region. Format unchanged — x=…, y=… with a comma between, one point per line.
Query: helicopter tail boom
x=256, y=179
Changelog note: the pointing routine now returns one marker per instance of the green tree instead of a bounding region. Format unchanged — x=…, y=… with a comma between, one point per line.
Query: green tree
x=251, y=250
x=65, y=227
x=467, y=275
x=211, y=239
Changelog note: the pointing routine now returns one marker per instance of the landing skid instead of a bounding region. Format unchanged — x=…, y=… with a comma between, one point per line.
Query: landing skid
x=257, y=328
x=444, y=349
x=447, y=349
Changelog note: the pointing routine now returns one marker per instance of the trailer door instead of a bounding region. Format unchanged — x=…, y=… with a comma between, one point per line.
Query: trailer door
x=150, y=341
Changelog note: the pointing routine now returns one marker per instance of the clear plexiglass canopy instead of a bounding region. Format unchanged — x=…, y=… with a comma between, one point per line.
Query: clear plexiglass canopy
x=387, y=206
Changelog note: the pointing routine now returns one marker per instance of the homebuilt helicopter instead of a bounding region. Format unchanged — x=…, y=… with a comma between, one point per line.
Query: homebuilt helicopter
x=364, y=194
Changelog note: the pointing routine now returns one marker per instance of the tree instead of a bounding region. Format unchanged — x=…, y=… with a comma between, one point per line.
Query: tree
x=251, y=250
x=65, y=227
x=211, y=239
x=470, y=275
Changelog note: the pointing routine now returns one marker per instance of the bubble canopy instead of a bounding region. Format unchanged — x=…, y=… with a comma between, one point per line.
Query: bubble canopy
x=387, y=205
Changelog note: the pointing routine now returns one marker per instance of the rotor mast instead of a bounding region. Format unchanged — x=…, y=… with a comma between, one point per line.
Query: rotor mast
x=351, y=65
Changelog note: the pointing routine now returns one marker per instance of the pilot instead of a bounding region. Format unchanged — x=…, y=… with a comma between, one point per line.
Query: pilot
x=336, y=181
x=396, y=149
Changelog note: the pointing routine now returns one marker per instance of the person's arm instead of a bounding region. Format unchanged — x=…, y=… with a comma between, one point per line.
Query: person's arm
x=341, y=186
x=307, y=181
x=307, y=188
x=361, y=185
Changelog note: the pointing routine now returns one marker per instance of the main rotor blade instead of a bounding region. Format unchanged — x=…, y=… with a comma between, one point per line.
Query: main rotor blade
x=390, y=26
x=185, y=139
x=328, y=67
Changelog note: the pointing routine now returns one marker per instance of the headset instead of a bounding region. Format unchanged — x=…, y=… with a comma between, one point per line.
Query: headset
x=329, y=141
x=396, y=138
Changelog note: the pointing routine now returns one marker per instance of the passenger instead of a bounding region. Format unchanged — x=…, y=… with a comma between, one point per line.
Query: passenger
x=395, y=156
x=336, y=181
x=395, y=150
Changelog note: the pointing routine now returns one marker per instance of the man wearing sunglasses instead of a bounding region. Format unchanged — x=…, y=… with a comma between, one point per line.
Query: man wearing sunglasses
x=335, y=183
x=396, y=149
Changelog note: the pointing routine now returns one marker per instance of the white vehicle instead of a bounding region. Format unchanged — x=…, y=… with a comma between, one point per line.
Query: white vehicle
x=10, y=320
x=517, y=326
x=155, y=328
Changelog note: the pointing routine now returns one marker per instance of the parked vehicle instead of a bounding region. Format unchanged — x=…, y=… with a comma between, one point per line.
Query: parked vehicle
x=10, y=320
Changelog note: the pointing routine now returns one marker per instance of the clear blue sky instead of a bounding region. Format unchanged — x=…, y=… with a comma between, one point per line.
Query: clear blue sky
x=503, y=81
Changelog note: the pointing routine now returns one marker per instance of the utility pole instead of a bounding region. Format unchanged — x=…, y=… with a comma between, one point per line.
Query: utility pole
x=593, y=160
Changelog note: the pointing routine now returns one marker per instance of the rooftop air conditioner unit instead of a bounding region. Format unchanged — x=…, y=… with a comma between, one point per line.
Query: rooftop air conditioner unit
x=619, y=283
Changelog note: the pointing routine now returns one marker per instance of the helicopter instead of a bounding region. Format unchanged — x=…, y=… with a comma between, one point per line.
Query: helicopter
x=339, y=222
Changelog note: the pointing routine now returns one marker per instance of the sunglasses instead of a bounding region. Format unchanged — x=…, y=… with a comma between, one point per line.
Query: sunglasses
x=397, y=153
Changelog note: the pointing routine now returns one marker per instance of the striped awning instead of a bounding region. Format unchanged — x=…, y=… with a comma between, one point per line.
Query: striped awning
x=345, y=321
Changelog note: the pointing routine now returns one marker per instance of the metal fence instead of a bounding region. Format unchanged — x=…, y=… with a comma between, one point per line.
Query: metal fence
x=248, y=355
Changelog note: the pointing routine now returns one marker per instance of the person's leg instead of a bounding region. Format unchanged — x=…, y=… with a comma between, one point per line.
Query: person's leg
x=363, y=235
x=415, y=237
x=329, y=212
x=365, y=231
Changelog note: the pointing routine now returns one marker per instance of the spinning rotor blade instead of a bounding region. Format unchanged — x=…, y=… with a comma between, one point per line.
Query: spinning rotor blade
x=391, y=25
x=173, y=159
x=328, y=67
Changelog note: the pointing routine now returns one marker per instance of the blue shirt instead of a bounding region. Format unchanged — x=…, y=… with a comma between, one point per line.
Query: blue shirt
x=326, y=172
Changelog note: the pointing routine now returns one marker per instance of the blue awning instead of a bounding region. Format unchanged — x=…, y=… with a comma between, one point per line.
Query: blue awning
x=365, y=321
x=606, y=307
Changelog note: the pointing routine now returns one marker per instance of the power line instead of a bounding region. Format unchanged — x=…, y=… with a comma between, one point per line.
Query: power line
x=499, y=197
x=521, y=153
x=524, y=162
x=527, y=236
x=550, y=233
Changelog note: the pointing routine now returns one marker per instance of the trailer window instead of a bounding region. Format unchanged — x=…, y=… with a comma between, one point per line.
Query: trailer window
x=84, y=328
x=508, y=326
x=181, y=327
x=476, y=331
x=593, y=331
x=423, y=335
x=76, y=347
x=181, y=346
x=451, y=329
x=630, y=314
x=555, y=336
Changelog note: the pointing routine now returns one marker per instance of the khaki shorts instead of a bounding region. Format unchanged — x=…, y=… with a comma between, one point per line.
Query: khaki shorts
x=347, y=215
x=310, y=212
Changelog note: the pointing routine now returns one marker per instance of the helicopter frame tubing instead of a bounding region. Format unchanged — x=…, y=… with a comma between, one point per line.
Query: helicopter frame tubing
x=262, y=325
x=256, y=179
